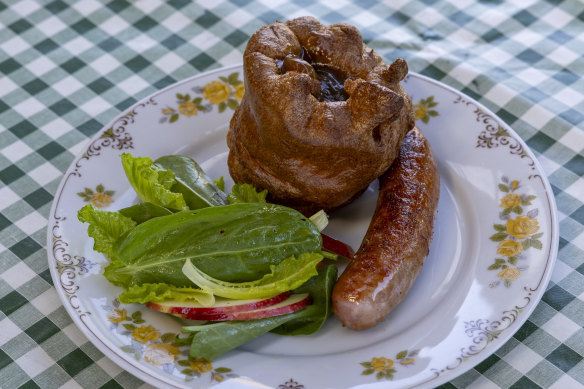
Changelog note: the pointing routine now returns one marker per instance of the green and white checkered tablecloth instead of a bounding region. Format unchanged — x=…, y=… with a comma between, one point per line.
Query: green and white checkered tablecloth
x=68, y=67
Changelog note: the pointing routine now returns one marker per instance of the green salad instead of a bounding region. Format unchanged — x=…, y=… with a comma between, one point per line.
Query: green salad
x=236, y=264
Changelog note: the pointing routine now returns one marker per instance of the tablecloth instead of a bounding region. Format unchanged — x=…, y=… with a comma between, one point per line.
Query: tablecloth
x=68, y=67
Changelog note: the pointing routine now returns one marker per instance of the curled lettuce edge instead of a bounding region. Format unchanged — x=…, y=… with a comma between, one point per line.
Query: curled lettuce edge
x=105, y=227
x=161, y=292
x=151, y=183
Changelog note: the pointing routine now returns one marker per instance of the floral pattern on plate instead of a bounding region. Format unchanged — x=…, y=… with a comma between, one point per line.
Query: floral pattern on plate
x=517, y=234
x=423, y=109
x=99, y=197
x=165, y=350
x=226, y=92
x=385, y=368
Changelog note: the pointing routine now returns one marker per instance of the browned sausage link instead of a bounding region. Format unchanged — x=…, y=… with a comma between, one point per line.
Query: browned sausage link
x=397, y=240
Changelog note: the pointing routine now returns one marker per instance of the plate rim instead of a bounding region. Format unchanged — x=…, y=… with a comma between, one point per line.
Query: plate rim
x=102, y=345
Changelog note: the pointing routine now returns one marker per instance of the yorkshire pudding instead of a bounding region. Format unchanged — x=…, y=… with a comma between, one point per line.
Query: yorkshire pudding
x=322, y=115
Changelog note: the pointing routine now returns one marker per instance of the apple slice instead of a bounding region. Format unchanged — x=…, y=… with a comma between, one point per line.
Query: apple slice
x=337, y=247
x=196, y=311
x=292, y=304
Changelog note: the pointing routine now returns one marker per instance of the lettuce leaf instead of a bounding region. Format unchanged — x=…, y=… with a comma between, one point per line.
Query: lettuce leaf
x=198, y=190
x=163, y=292
x=105, y=227
x=287, y=275
x=152, y=183
x=246, y=193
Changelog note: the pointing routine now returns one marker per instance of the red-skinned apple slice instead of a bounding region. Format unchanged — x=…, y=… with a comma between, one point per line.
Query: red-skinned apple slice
x=337, y=247
x=292, y=304
x=193, y=309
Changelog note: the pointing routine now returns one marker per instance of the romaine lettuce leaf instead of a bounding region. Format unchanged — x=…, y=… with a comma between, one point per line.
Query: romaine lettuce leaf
x=152, y=183
x=287, y=275
x=105, y=227
x=163, y=292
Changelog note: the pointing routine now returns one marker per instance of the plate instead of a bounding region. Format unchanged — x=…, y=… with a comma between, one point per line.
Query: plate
x=494, y=246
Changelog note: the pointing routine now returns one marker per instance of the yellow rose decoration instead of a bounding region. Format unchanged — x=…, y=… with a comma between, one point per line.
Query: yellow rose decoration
x=160, y=354
x=187, y=108
x=145, y=334
x=510, y=200
x=201, y=365
x=117, y=316
x=509, y=248
x=522, y=227
x=381, y=364
x=101, y=200
x=509, y=274
x=239, y=91
x=216, y=92
x=167, y=111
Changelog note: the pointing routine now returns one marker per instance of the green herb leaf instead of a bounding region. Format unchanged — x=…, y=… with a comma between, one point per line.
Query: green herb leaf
x=105, y=227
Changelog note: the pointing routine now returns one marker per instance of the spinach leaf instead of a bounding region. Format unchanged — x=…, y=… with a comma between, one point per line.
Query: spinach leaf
x=213, y=340
x=320, y=289
x=234, y=243
x=198, y=190
x=210, y=341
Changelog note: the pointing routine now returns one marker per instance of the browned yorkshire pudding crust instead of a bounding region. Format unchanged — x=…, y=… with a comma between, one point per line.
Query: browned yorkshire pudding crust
x=322, y=115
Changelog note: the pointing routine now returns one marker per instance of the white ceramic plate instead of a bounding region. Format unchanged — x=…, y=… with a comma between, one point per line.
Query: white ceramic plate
x=494, y=246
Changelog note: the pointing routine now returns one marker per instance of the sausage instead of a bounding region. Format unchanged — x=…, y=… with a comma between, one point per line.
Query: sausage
x=397, y=240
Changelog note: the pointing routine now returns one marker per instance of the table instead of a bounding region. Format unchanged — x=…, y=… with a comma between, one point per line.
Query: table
x=67, y=68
